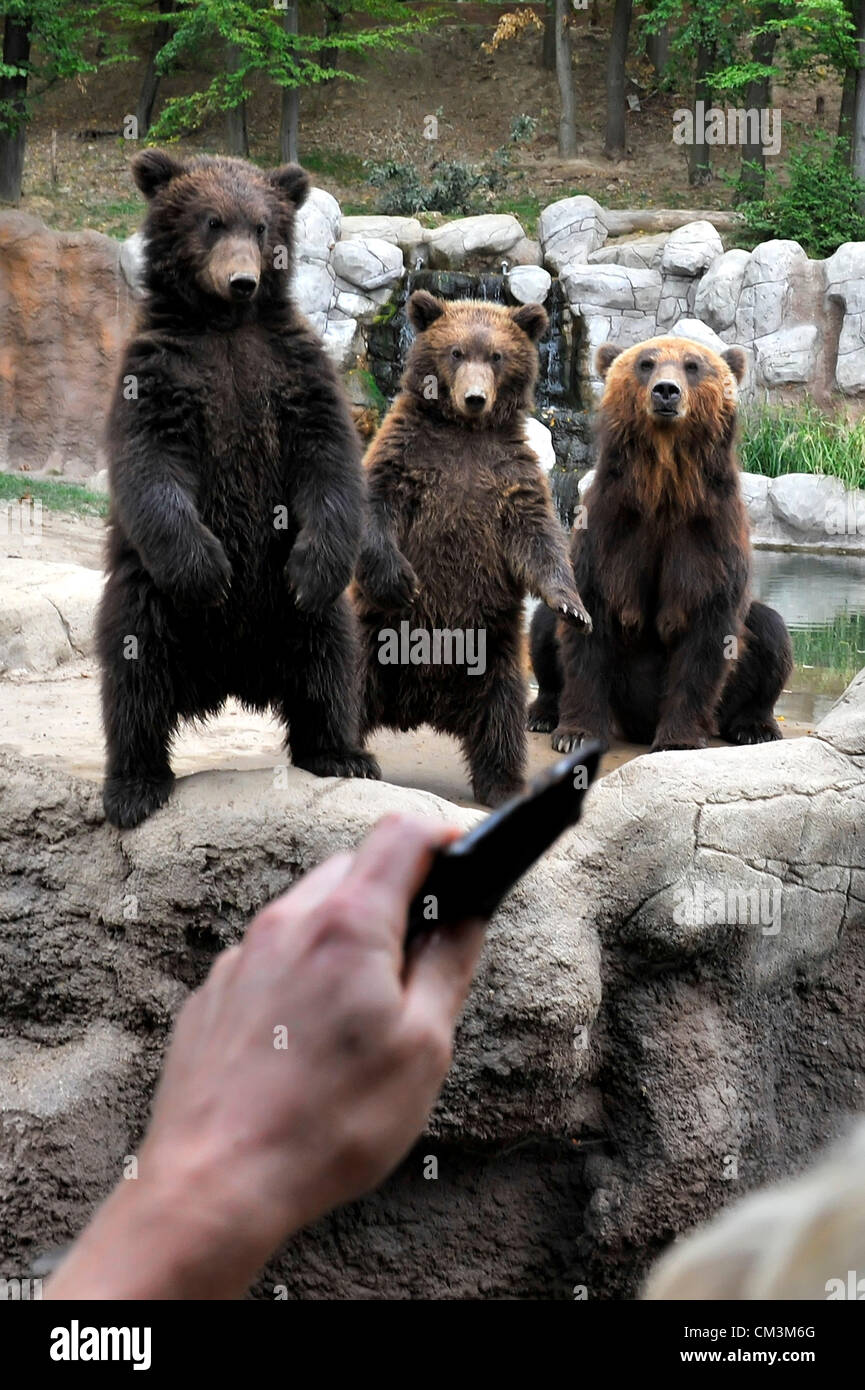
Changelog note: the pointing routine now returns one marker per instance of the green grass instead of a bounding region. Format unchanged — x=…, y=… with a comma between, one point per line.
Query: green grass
x=55, y=497
x=831, y=654
x=335, y=164
x=800, y=439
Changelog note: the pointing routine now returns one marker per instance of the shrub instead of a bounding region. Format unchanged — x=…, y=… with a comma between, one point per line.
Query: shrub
x=451, y=186
x=818, y=206
x=801, y=439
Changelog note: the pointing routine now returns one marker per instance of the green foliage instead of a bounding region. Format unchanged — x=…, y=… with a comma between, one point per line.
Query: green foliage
x=832, y=653
x=450, y=186
x=262, y=45
x=818, y=206
x=810, y=33
x=801, y=439
x=523, y=129
x=60, y=35
x=55, y=497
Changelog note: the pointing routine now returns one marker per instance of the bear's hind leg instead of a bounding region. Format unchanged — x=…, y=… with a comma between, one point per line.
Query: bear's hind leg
x=745, y=710
x=543, y=713
x=320, y=704
x=495, y=744
x=138, y=710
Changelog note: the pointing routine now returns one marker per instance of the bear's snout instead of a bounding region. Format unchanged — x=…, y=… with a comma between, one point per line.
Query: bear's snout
x=474, y=389
x=233, y=269
x=666, y=396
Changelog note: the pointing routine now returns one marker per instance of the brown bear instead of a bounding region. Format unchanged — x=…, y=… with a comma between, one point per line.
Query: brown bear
x=236, y=490
x=460, y=527
x=678, y=651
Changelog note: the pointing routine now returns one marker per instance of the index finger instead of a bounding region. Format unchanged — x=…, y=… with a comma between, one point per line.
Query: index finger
x=393, y=862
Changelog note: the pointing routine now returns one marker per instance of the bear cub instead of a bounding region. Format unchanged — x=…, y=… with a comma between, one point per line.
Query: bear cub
x=460, y=527
x=679, y=651
x=236, y=491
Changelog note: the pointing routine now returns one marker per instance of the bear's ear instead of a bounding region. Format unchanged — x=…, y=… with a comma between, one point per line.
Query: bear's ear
x=291, y=182
x=735, y=360
x=532, y=319
x=153, y=169
x=424, y=309
x=606, y=356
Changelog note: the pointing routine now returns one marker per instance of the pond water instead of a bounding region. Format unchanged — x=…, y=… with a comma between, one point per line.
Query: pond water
x=822, y=600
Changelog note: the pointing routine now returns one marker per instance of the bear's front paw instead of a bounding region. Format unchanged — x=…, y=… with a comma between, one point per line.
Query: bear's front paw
x=390, y=584
x=316, y=585
x=575, y=614
x=678, y=738
x=568, y=740
x=205, y=578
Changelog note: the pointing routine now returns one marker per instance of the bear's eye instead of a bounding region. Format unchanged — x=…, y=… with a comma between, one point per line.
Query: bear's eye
x=495, y=357
x=260, y=229
x=456, y=354
x=214, y=223
x=646, y=365
x=691, y=367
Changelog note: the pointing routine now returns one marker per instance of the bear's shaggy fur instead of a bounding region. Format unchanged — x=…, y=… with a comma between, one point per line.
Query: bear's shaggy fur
x=678, y=651
x=461, y=526
x=236, y=491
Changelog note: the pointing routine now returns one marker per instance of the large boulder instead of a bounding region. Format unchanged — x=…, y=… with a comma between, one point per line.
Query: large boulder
x=667, y=1013
x=569, y=229
x=46, y=614
x=66, y=309
x=473, y=242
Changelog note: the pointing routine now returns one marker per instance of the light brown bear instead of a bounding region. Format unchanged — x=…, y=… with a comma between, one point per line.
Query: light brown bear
x=461, y=527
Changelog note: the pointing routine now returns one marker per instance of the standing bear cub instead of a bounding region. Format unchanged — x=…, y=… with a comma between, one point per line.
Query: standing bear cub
x=679, y=651
x=460, y=526
x=236, y=491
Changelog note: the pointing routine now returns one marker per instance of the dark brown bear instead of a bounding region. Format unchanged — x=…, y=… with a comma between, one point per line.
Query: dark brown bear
x=461, y=526
x=678, y=651
x=236, y=491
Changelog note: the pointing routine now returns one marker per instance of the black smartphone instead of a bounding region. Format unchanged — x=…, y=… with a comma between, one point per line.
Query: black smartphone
x=470, y=877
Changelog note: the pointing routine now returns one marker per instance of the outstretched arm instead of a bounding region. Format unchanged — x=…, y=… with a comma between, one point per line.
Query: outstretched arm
x=536, y=549
x=153, y=444
x=300, y=1074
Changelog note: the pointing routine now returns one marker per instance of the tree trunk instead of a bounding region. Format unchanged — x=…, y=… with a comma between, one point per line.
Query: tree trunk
x=699, y=158
x=758, y=94
x=333, y=19
x=16, y=52
x=658, y=49
x=565, y=79
x=150, y=80
x=236, y=133
x=548, y=42
x=289, y=107
x=858, y=141
x=614, y=142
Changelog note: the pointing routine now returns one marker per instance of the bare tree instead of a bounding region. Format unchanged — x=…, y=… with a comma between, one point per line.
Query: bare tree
x=290, y=105
x=236, y=132
x=150, y=80
x=614, y=142
x=565, y=79
x=699, y=158
x=13, y=95
x=858, y=142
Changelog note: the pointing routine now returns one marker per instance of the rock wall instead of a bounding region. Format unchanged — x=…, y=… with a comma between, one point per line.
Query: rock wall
x=66, y=304
x=65, y=311
x=631, y=1058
